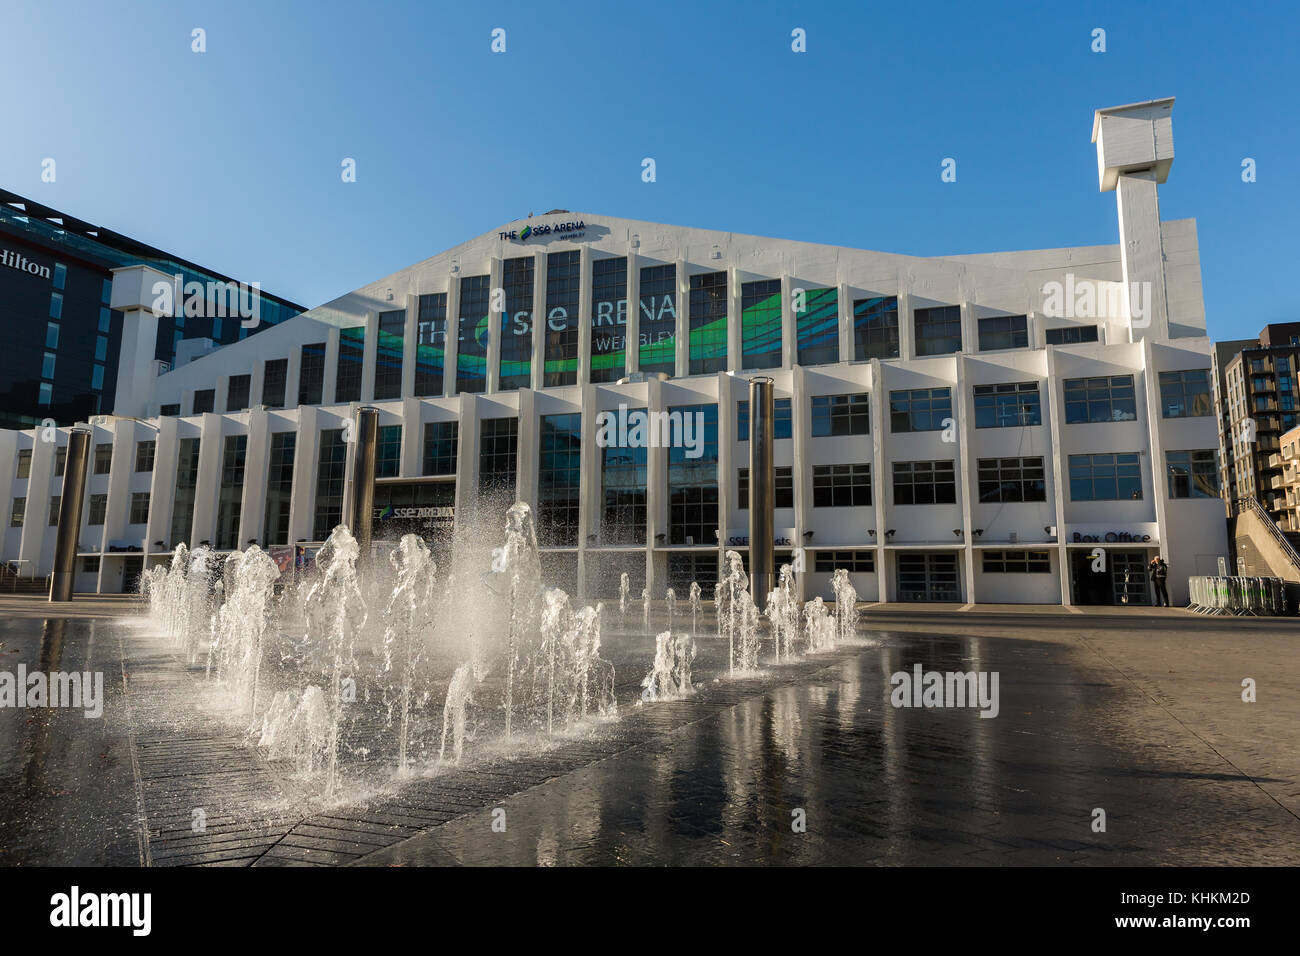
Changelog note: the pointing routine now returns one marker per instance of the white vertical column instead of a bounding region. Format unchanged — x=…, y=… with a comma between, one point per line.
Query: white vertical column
x=122, y=435
x=844, y=296
x=527, y=451
x=1057, y=486
x=1155, y=442
x=589, y=485
x=410, y=345
x=879, y=422
x=632, y=342
x=293, y=376
x=132, y=294
x=906, y=327
x=302, y=502
x=329, y=386
x=496, y=274
x=539, y=319
x=789, y=323
x=257, y=384
x=208, y=488
x=735, y=332
x=162, y=485
x=729, y=390
x=962, y=467
x=451, y=343
x=683, y=342
x=656, y=510
x=32, y=550
x=467, y=460
x=801, y=435
x=584, y=315
x=369, y=356
x=970, y=340
x=257, y=466
x=1142, y=254
x=412, y=437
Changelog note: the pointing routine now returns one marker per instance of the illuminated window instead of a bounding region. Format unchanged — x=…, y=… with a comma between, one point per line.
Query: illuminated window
x=389, y=351
x=658, y=303
x=760, y=324
x=608, y=319
x=817, y=327
x=516, y=368
x=875, y=328
x=563, y=278
x=472, y=334
x=708, y=314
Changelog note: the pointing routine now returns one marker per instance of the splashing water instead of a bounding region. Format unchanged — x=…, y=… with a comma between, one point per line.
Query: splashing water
x=335, y=613
x=783, y=613
x=594, y=675
x=242, y=622
x=517, y=560
x=670, y=676
x=408, y=613
x=738, y=616
x=695, y=608
x=296, y=727
x=494, y=646
x=819, y=627
x=196, y=604
x=459, y=694
x=846, y=605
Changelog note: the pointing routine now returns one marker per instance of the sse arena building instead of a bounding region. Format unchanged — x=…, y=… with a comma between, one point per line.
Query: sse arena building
x=1027, y=427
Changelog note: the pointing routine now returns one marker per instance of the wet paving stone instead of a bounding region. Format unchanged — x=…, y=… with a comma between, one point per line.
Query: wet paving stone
x=806, y=764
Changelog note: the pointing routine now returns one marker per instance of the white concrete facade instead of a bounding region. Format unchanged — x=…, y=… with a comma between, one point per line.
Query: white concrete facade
x=1158, y=327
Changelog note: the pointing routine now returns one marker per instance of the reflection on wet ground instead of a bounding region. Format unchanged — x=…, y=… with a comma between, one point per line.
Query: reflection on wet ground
x=806, y=764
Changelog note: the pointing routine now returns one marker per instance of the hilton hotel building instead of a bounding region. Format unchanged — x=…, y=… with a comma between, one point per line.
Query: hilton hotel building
x=1021, y=427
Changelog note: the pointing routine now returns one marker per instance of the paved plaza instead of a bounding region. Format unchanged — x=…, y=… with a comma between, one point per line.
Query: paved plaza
x=1139, y=714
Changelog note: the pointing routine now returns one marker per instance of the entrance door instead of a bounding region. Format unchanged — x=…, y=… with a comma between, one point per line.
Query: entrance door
x=1134, y=563
x=927, y=576
x=132, y=568
x=1107, y=585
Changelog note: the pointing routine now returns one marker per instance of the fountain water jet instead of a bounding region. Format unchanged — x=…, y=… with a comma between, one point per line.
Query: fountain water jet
x=783, y=613
x=336, y=612
x=846, y=605
x=242, y=622
x=408, y=613
x=670, y=675
x=819, y=628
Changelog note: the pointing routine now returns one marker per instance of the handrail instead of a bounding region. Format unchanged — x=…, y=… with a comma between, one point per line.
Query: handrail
x=1251, y=503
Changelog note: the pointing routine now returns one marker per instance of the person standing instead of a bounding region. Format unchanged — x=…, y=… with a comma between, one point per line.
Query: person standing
x=1159, y=575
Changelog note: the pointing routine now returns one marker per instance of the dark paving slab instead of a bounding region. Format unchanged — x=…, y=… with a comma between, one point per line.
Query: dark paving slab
x=1139, y=715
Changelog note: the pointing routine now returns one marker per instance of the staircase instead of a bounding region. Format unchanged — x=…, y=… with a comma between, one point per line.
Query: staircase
x=11, y=582
x=1257, y=541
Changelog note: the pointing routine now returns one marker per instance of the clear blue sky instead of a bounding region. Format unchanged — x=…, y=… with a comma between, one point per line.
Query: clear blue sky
x=232, y=157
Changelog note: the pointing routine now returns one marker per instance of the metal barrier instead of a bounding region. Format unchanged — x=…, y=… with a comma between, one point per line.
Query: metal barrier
x=1261, y=597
